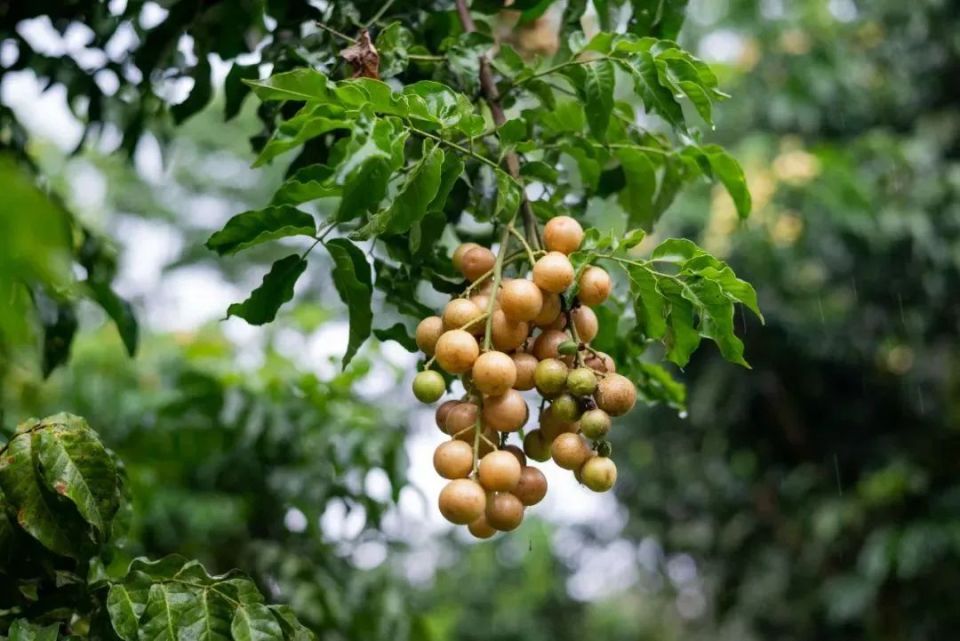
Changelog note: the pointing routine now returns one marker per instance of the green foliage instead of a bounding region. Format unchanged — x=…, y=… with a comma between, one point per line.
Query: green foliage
x=61, y=491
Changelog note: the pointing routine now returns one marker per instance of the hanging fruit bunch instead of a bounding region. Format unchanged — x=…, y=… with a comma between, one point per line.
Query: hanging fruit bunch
x=503, y=336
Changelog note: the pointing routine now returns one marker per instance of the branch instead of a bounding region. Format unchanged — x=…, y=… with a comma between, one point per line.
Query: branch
x=492, y=97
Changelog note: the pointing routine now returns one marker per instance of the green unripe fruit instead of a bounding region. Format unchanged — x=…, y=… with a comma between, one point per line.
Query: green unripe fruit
x=550, y=377
x=428, y=386
x=582, y=381
x=535, y=447
x=598, y=473
x=565, y=408
x=595, y=424
x=567, y=348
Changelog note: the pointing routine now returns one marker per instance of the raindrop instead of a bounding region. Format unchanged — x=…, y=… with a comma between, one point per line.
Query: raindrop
x=856, y=295
x=903, y=318
x=923, y=408
x=823, y=319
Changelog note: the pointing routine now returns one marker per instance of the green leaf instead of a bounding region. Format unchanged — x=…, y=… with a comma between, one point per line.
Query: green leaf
x=23, y=630
x=656, y=98
x=728, y=171
x=658, y=18
x=120, y=312
x=55, y=525
x=369, y=161
x=199, y=95
x=75, y=465
x=397, y=332
x=352, y=278
x=599, y=81
x=716, y=317
x=513, y=131
x=307, y=184
x=165, y=605
x=303, y=84
x=59, y=321
x=125, y=609
x=411, y=203
x=252, y=228
x=255, y=622
x=676, y=250
x=641, y=184
x=275, y=290
x=309, y=122
x=449, y=174
x=235, y=88
x=508, y=197
x=648, y=303
x=682, y=338
x=393, y=43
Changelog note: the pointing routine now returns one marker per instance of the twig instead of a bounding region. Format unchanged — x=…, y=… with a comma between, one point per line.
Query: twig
x=336, y=33
x=379, y=14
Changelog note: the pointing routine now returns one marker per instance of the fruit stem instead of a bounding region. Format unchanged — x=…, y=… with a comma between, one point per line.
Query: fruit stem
x=526, y=246
x=487, y=274
x=477, y=429
x=497, y=278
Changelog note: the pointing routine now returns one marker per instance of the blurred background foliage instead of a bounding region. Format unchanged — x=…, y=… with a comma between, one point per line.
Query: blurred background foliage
x=815, y=496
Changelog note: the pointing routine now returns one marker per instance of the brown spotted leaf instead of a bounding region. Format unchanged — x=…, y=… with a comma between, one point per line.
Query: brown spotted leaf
x=363, y=57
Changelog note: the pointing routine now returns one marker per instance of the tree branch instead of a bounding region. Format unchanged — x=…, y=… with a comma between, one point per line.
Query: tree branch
x=492, y=97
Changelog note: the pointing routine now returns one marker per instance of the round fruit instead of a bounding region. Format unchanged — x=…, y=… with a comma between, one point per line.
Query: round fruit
x=562, y=234
x=504, y=511
x=549, y=311
x=526, y=365
x=494, y=373
x=595, y=424
x=428, y=333
x=559, y=323
x=521, y=300
x=489, y=440
x=553, y=273
x=443, y=411
x=453, y=460
x=516, y=451
x=595, y=285
x=499, y=471
x=551, y=426
x=532, y=486
x=476, y=262
x=462, y=417
x=550, y=377
x=482, y=301
x=458, y=253
x=505, y=413
x=480, y=528
x=599, y=473
x=582, y=381
x=565, y=408
x=459, y=312
x=462, y=501
x=457, y=350
x=585, y=320
x=616, y=395
x=535, y=447
x=548, y=342
x=601, y=362
x=569, y=451
x=507, y=335
x=428, y=386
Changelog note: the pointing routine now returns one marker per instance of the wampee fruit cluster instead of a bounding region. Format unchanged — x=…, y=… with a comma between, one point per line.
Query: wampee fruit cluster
x=504, y=336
